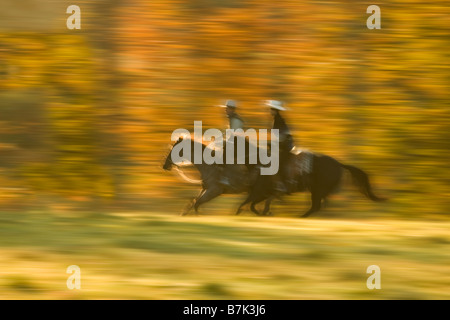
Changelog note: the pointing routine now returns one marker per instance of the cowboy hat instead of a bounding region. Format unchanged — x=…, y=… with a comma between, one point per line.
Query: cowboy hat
x=229, y=104
x=275, y=104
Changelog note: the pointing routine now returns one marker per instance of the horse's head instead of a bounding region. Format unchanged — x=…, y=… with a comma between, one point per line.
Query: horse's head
x=169, y=163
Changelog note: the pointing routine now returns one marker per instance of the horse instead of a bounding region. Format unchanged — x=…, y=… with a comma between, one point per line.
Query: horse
x=323, y=178
x=211, y=175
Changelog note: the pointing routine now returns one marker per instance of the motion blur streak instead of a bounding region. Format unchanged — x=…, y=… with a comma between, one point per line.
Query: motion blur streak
x=86, y=116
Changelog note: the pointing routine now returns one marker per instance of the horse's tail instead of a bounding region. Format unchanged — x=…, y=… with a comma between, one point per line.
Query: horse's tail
x=361, y=180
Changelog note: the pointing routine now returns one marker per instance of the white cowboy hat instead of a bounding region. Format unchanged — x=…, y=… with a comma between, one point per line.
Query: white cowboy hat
x=229, y=104
x=275, y=104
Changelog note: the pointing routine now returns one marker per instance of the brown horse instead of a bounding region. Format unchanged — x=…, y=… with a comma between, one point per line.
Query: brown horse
x=323, y=178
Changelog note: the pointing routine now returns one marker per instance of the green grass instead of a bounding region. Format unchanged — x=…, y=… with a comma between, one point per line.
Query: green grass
x=129, y=255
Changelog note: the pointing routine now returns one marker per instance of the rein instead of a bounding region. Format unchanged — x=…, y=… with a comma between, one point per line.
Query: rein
x=185, y=177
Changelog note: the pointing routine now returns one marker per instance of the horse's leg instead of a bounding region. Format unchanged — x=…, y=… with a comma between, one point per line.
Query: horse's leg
x=323, y=181
x=267, y=206
x=243, y=204
x=316, y=199
x=255, y=202
x=319, y=194
x=253, y=208
x=325, y=202
x=253, y=197
x=208, y=195
x=319, y=197
x=191, y=203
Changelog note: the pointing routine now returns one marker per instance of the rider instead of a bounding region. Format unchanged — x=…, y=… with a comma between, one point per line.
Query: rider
x=235, y=122
x=286, y=144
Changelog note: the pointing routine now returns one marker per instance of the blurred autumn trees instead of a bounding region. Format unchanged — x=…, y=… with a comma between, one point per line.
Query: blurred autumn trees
x=87, y=115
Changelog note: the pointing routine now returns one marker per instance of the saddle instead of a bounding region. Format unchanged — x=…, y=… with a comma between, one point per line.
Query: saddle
x=299, y=169
x=303, y=161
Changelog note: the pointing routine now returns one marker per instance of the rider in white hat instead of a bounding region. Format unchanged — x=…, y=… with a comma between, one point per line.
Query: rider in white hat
x=275, y=104
x=235, y=122
x=286, y=143
x=279, y=123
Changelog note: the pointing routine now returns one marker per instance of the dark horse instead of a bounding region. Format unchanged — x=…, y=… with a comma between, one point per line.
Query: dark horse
x=211, y=175
x=324, y=178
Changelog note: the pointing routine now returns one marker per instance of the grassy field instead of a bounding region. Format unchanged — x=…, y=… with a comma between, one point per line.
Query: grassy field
x=139, y=255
